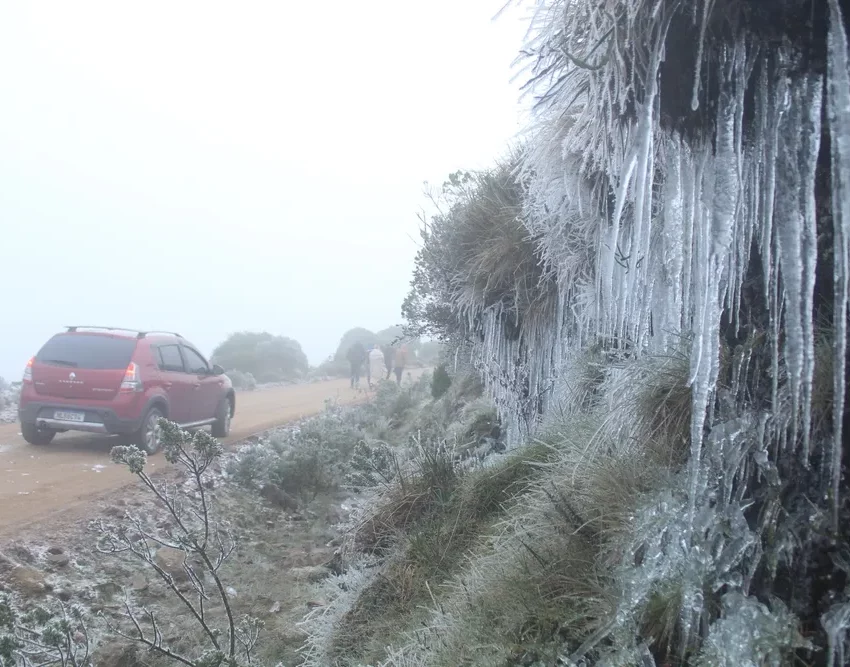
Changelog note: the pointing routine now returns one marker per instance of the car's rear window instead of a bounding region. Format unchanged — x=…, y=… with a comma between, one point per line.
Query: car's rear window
x=87, y=351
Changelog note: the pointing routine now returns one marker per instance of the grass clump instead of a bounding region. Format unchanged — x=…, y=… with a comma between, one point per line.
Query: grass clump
x=650, y=401
x=425, y=525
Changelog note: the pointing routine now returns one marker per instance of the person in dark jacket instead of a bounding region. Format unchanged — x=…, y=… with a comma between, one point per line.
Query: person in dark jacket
x=356, y=357
x=389, y=353
x=399, y=361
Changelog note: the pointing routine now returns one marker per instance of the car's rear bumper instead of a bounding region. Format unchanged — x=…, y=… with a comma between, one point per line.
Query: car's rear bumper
x=97, y=420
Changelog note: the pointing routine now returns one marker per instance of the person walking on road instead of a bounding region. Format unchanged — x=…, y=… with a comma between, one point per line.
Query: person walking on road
x=399, y=362
x=389, y=353
x=375, y=365
x=356, y=357
x=368, y=367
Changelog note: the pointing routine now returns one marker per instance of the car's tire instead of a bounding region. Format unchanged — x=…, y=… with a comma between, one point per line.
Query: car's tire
x=223, y=415
x=37, y=436
x=149, y=435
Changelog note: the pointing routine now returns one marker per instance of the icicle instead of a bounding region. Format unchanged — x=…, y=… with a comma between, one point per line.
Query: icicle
x=641, y=223
x=691, y=176
x=610, y=251
x=838, y=73
x=810, y=150
x=775, y=110
x=673, y=253
x=789, y=239
x=836, y=624
x=724, y=204
x=706, y=10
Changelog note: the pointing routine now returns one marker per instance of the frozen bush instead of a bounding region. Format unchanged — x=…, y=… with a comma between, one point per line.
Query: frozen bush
x=373, y=464
x=306, y=461
x=242, y=380
x=44, y=636
x=441, y=381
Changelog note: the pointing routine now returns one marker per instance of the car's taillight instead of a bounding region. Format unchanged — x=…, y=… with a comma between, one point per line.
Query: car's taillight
x=132, y=381
x=28, y=370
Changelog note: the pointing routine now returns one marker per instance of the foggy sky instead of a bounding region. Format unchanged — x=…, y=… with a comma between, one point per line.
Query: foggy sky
x=208, y=167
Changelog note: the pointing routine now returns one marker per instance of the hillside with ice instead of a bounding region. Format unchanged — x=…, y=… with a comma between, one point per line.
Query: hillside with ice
x=656, y=286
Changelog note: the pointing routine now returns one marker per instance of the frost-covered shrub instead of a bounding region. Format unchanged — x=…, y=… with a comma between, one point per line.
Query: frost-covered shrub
x=441, y=381
x=306, y=472
x=386, y=394
x=307, y=460
x=58, y=635
x=242, y=380
x=373, y=464
x=395, y=402
x=250, y=464
x=187, y=526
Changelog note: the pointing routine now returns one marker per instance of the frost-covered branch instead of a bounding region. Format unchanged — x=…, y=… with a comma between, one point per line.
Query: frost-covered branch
x=205, y=545
x=43, y=637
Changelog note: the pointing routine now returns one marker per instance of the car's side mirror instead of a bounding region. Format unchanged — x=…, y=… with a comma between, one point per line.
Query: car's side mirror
x=217, y=370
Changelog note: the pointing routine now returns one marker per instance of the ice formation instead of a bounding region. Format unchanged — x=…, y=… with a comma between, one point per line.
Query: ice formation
x=660, y=231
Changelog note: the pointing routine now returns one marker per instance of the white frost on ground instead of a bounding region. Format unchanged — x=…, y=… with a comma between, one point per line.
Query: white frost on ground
x=9, y=403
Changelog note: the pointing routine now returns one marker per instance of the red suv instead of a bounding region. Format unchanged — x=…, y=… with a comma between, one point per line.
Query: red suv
x=121, y=381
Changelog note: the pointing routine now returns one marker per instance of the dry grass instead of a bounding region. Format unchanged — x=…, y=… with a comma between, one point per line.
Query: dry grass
x=497, y=260
x=650, y=402
x=532, y=585
x=480, y=252
x=431, y=531
x=543, y=582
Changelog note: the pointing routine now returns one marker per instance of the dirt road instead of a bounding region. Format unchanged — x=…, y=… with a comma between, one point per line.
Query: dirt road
x=36, y=482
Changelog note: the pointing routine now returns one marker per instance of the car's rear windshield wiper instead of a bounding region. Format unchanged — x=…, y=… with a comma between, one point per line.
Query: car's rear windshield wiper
x=59, y=362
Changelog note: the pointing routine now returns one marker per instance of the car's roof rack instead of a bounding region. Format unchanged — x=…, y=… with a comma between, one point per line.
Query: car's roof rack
x=138, y=332
x=142, y=334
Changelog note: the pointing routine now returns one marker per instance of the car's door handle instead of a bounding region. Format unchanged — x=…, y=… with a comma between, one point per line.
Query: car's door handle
x=167, y=385
x=196, y=385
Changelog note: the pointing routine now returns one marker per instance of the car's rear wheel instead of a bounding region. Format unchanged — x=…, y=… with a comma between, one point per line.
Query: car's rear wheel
x=37, y=436
x=149, y=435
x=223, y=416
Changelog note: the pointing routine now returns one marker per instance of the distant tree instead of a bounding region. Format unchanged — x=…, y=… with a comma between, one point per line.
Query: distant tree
x=267, y=357
x=396, y=334
x=390, y=335
x=356, y=335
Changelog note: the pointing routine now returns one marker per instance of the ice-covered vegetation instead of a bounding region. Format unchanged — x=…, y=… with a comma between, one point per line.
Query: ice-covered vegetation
x=655, y=287
x=8, y=401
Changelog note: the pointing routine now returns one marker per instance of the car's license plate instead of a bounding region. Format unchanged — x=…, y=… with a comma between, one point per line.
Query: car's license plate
x=70, y=416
